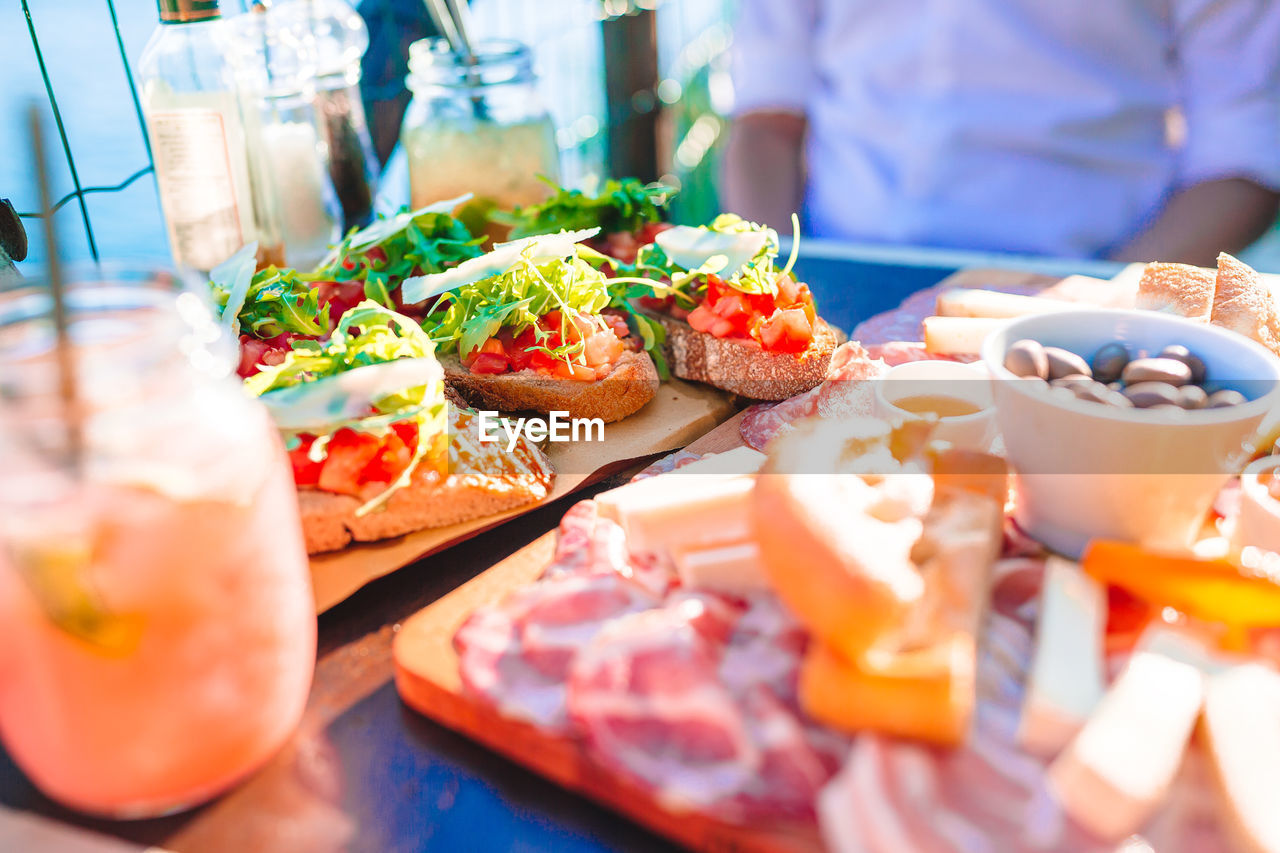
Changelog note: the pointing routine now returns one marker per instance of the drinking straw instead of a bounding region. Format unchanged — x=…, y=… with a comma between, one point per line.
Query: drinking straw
x=65, y=353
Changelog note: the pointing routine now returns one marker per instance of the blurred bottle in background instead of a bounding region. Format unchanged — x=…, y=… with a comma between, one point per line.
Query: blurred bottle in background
x=478, y=128
x=341, y=39
x=198, y=137
x=288, y=153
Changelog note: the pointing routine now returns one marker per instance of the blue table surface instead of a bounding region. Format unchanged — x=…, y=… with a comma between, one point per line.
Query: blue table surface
x=365, y=773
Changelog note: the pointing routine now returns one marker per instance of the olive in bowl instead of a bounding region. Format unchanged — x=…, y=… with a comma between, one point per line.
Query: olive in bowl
x=1089, y=469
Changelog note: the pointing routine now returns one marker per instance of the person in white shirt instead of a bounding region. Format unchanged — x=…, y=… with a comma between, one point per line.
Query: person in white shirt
x=1129, y=129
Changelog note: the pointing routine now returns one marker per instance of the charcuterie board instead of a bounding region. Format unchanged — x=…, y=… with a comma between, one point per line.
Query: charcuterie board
x=428, y=680
x=427, y=671
x=679, y=413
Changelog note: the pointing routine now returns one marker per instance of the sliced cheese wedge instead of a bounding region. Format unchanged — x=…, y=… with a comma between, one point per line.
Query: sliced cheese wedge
x=734, y=569
x=670, y=513
x=958, y=335
x=1117, y=770
x=1242, y=731
x=967, y=302
x=925, y=694
x=1067, y=680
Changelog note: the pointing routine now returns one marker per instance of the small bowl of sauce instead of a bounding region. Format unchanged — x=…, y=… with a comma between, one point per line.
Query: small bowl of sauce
x=957, y=395
x=1258, y=522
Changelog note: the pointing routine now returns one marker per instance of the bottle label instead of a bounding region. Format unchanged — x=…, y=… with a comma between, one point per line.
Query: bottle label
x=197, y=192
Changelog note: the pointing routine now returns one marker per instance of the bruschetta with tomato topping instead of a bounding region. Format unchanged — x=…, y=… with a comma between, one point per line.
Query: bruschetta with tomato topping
x=532, y=326
x=732, y=319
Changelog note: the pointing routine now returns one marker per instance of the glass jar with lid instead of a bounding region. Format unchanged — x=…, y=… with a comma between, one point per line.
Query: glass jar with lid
x=155, y=598
x=478, y=127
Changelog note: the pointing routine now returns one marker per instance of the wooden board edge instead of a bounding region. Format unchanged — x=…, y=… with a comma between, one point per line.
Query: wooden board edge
x=426, y=677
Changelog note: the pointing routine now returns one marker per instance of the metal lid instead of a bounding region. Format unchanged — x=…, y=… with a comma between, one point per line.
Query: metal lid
x=496, y=62
x=187, y=11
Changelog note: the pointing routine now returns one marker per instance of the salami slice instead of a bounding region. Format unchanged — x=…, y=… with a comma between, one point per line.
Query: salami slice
x=644, y=698
x=516, y=655
x=845, y=392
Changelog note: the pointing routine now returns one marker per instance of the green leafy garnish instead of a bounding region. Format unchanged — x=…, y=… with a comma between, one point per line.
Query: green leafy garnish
x=410, y=243
x=530, y=288
x=746, y=264
x=376, y=369
x=626, y=205
x=277, y=301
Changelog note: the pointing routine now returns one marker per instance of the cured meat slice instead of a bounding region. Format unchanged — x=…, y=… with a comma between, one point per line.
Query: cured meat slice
x=516, y=654
x=667, y=464
x=591, y=545
x=846, y=391
x=765, y=651
x=644, y=697
x=792, y=770
x=712, y=615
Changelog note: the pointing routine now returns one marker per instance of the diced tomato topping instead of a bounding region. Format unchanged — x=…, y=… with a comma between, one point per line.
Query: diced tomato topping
x=782, y=322
x=353, y=459
x=786, y=331
x=305, y=472
x=601, y=347
x=488, y=363
x=347, y=454
x=340, y=296
x=617, y=322
x=254, y=353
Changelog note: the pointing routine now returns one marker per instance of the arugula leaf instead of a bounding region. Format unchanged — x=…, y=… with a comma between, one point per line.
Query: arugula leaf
x=530, y=287
x=378, y=368
x=626, y=205
x=410, y=243
x=276, y=301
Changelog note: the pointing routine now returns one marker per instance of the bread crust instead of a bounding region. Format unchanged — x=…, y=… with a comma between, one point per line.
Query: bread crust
x=329, y=521
x=743, y=366
x=483, y=479
x=1177, y=289
x=1243, y=304
x=632, y=383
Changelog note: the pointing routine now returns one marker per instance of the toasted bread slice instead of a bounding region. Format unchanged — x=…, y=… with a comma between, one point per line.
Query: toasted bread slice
x=742, y=366
x=483, y=479
x=1177, y=289
x=1243, y=304
x=632, y=384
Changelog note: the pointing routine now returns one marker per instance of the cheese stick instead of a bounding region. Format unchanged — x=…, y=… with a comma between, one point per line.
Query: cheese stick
x=1241, y=725
x=958, y=335
x=966, y=302
x=1117, y=770
x=1066, y=681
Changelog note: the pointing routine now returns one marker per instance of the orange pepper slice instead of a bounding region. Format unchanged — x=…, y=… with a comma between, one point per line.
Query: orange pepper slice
x=1243, y=594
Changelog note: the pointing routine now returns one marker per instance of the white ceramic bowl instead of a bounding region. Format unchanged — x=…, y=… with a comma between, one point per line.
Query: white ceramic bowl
x=1089, y=471
x=968, y=382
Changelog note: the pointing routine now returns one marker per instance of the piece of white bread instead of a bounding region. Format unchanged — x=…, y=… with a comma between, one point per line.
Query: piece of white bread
x=742, y=366
x=632, y=383
x=1177, y=289
x=482, y=479
x=1244, y=304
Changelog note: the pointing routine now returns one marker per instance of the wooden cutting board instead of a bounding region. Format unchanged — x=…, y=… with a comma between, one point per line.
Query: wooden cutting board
x=679, y=413
x=428, y=680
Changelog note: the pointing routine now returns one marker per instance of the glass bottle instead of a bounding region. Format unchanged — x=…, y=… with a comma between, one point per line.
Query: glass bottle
x=198, y=142
x=288, y=155
x=341, y=39
x=477, y=128
x=157, y=628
